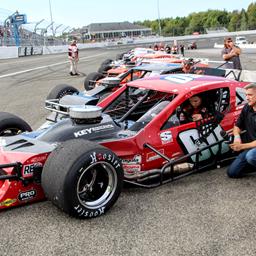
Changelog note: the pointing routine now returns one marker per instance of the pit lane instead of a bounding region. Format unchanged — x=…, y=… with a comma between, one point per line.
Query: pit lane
x=203, y=214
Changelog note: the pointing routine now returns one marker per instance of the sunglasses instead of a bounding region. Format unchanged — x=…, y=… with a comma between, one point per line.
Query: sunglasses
x=230, y=41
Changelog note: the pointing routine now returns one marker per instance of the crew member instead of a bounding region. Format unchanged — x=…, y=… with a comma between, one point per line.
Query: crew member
x=73, y=58
x=247, y=144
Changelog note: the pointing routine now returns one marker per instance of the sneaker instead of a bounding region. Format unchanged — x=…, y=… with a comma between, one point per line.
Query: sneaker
x=71, y=73
x=76, y=74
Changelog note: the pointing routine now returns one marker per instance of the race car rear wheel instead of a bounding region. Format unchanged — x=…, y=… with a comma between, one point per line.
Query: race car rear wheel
x=88, y=82
x=12, y=125
x=82, y=178
x=61, y=90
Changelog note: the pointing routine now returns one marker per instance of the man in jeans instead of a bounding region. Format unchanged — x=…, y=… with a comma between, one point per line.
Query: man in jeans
x=246, y=122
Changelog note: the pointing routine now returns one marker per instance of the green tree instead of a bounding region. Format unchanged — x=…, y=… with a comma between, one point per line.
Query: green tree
x=244, y=20
x=251, y=14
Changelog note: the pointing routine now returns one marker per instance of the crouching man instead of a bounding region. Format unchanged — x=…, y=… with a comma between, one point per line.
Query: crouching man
x=246, y=160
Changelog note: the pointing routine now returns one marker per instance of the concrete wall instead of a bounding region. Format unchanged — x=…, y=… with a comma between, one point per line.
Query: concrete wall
x=8, y=52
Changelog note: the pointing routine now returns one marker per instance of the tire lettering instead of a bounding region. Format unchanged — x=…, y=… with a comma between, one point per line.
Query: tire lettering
x=93, y=157
x=83, y=213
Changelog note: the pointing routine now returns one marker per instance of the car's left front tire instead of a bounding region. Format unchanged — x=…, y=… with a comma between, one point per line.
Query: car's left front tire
x=82, y=178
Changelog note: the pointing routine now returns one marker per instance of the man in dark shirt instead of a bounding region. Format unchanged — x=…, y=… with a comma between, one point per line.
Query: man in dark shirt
x=231, y=53
x=246, y=122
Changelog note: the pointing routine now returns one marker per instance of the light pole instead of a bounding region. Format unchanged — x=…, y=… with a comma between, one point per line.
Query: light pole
x=50, y=8
x=159, y=22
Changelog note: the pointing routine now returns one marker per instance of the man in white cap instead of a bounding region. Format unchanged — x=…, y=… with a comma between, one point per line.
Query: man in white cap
x=73, y=57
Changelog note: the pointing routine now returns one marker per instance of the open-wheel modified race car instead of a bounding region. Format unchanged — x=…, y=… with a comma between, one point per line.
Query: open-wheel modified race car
x=79, y=159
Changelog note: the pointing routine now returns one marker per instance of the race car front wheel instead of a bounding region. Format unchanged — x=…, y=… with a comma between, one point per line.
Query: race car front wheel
x=82, y=178
x=61, y=90
x=12, y=125
x=90, y=80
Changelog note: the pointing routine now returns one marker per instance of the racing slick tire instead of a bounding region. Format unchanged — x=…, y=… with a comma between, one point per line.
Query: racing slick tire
x=82, y=178
x=61, y=90
x=106, y=62
x=119, y=56
x=94, y=76
x=12, y=125
x=104, y=68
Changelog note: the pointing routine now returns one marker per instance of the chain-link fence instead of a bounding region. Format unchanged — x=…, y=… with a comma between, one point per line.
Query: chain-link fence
x=40, y=33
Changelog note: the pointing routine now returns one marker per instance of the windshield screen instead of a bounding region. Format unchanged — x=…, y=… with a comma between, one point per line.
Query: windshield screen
x=136, y=103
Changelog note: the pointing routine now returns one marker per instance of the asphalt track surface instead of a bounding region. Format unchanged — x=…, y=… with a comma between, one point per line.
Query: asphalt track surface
x=203, y=214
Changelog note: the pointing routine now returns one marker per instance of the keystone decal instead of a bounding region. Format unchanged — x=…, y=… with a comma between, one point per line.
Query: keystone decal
x=93, y=130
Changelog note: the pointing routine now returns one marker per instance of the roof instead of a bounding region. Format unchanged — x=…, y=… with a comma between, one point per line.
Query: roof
x=179, y=83
x=114, y=26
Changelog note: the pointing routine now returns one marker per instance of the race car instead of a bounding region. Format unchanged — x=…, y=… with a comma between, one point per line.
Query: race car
x=134, y=135
x=110, y=68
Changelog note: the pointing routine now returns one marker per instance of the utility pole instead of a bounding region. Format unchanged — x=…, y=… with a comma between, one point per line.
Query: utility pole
x=159, y=21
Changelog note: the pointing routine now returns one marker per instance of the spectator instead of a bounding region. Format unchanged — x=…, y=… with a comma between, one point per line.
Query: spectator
x=188, y=66
x=167, y=49
x=231, y=53
x=247, y=143
x=156, y=48
x=73, y=57
x=182, y=49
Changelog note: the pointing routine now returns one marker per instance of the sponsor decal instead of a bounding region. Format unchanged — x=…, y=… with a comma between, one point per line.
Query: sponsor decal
x=180, y=79
x=151, y=156
x=8, y=202
x=93, y=130
x=28, y=170
x=166, y=137
x=131, y=168
x=135, y=160
x=2, y=142
x=27, y=195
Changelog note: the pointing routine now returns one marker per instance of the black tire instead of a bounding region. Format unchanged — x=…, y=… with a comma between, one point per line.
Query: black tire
x=119, y=56
x=106, y=62
x=61, y=90
x=82, y=178
x=94, y=76
x=12, y=125
x=104, y=68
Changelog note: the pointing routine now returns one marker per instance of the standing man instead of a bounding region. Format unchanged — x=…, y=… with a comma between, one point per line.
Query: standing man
x=182, y=49
x=73, y=57
x=231, y=53
x=247, y=145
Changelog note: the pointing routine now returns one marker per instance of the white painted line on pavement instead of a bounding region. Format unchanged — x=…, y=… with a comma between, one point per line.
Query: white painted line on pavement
x=47, y=66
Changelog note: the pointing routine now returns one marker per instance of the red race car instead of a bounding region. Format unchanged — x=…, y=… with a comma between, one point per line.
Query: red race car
x=80, y=159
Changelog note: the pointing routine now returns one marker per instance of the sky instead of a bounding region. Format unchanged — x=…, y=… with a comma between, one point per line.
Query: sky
x=79, y=13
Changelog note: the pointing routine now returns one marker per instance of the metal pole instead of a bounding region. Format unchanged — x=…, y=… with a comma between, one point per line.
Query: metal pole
x=159, y=22
x=50, y=7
